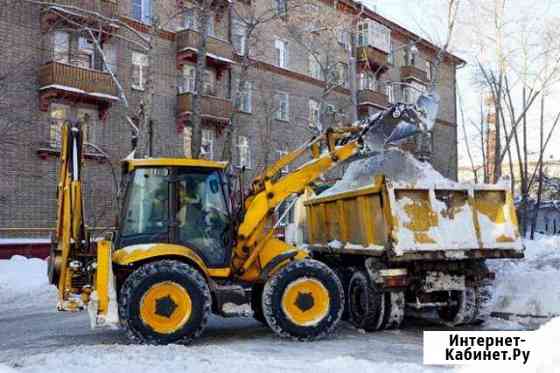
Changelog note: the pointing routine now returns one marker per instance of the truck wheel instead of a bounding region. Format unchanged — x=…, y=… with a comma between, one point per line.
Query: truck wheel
x=463, y=310
x=164, y=302
x=304, y=300
x=366, y=303
x=256, y=303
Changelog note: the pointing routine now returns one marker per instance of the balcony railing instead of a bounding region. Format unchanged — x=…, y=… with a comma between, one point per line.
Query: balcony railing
x=108, y=8
x=412, y=72
x=189, y=39
x=372, y=97
x=377, y=58
x=211, y=107
x=76, y=79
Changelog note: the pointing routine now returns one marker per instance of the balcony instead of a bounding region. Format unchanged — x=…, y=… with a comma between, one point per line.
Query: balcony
x=214, y=110
x=107, y=8
x=58, y=80
x=371, y=98
x=219, y=53
x=375, y=58
x=413, y=73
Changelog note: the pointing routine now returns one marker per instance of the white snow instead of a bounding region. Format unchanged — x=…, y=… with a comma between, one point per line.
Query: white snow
x=24, y=241
x=397, y=165
x=80, y=91
x=22, y=278
x=530, y=286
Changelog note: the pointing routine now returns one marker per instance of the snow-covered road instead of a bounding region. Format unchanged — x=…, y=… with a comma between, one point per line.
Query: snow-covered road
x=38, y=339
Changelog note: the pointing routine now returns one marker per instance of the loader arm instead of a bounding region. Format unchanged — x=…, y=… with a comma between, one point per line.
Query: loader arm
x=70, y=235
x=256, y=247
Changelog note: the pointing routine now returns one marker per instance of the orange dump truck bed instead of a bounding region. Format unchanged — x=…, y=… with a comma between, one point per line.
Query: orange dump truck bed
x=411, y=222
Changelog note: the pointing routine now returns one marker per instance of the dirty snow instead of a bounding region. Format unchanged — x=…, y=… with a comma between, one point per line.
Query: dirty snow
x=530, y=286
x=397, y=165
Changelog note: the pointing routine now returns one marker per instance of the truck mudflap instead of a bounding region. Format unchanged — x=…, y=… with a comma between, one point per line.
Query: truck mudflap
x=453, y=221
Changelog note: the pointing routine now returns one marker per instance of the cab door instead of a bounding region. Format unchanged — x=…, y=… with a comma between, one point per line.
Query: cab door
x=201, y=215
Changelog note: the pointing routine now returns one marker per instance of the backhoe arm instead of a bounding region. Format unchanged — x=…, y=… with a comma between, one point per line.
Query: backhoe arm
x=70, y=235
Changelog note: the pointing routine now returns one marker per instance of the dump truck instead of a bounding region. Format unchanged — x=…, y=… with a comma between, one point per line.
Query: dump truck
x=414, y=246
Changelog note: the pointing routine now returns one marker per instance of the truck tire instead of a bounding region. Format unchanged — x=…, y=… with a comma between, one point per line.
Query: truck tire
x=304, y=300
x=464, y=310
x=164, y=302
x=366, y=303
x=256, y=303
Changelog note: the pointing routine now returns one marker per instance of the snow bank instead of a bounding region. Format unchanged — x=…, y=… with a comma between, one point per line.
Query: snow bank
x=23, y=277
x=530, y=286
x=398, y=165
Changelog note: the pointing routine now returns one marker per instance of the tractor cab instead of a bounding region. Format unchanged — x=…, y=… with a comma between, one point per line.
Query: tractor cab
x=181, y=202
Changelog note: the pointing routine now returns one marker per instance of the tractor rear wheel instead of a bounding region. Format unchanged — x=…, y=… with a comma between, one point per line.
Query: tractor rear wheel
x=304, y=300
x=164, y=302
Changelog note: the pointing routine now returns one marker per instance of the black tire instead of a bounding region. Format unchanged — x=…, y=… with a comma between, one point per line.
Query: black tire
x=181, y=276
x=366, y=303
x=344, y=275
x=256, y=303
x=281, y=285
x=464, y=310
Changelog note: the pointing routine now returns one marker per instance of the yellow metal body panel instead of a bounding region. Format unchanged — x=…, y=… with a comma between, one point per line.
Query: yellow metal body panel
x=102, y=274
x=173, y=162
x=306, y=301
x=415, y=218
x=136, y=253
x=179, y=315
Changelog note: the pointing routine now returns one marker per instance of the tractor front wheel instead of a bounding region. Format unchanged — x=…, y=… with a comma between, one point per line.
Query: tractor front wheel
x=164, y=302
x=304, y=300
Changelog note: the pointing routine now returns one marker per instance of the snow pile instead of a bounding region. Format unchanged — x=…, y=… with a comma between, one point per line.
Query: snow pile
x=22, y=277
x=398, y=165
x=530, y=286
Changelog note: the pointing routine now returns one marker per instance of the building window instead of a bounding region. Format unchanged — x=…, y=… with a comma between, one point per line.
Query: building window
x=343, y=38
x=209, y=83
x=282, y=103
x=279, y=155
x=60, y=113
x=367, y=81
x=315, y=68
x=374, y=34
x=390, y=93
x=245, y=103
x=410, y=56
x=207, y=146
x=281, y=7
x=189, y=19
x=84, y=57
x=342, y=75
x=61, y=46
x=411, y=94
x=139, y=64
x=429, y=71
x=142, y=10
x=187, y=141
x=281, y=53
x=244, y=152
x=188, y=79
x=239, y=36
x=314, y=113
x=110, y=62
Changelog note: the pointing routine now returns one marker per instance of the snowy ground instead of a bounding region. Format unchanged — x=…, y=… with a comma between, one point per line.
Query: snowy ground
x=35, y=338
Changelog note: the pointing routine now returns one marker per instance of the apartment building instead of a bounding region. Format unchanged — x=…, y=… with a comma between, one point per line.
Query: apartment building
x=55, y=72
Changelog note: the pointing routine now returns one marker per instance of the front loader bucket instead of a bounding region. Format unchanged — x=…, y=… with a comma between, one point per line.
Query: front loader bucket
x=453, y=219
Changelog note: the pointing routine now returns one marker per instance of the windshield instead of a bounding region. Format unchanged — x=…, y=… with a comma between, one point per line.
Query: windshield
x=147, y=205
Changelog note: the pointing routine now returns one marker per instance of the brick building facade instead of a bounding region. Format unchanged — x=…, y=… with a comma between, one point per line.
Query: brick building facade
x=51, y=72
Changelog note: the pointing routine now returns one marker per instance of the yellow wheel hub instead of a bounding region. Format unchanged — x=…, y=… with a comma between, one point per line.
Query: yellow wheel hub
x=306, y=302
x=165, y=307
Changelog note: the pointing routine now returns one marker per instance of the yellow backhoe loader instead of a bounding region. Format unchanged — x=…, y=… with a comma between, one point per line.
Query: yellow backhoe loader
x=182, y=251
